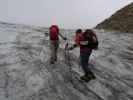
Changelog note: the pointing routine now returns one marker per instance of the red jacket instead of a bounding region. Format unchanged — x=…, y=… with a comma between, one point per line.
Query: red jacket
x=83, y=48
x=77, y=38
x=54, y=31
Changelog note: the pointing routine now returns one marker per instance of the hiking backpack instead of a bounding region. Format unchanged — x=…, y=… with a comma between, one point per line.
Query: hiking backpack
x=54, y=30
x=88, y=34
x=95, y=44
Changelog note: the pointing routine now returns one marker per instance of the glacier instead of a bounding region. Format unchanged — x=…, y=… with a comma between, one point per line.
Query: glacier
x=25, y=72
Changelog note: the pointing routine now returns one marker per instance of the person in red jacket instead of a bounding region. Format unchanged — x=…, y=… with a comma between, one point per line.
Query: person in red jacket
x=87, y=42
x=54, y=42
x=77, y=36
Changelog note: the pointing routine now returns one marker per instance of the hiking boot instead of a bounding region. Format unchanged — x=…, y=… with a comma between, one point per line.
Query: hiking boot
x=52, y=62
x=55, y=59
x=91, y=75
x=85, y=78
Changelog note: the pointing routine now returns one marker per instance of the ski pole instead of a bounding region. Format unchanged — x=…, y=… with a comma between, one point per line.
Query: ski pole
x=67, y=59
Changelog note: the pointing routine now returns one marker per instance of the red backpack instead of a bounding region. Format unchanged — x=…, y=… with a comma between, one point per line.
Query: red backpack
x=54, y=30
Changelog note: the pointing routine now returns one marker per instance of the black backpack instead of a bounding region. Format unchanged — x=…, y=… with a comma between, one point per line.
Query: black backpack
x=95, y=44
x=88, y=35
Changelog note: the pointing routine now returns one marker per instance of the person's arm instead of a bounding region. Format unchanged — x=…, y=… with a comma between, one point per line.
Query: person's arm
x=46, y=33
x=72, y=47
x=64, y=38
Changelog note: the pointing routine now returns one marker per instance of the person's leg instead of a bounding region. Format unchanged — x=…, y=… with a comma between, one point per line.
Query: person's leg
x=84, y=57
x=52, y=47
x=84, y=63
x=89, y=73
x=56, y=50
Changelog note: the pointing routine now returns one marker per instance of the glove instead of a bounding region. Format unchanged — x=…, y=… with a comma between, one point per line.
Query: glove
x=71, y=48
x=65, y=38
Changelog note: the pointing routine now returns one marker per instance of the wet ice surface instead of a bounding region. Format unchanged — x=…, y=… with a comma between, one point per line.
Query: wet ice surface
x=25, y=73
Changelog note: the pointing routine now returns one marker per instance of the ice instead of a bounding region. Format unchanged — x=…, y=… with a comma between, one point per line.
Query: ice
x=25, y=72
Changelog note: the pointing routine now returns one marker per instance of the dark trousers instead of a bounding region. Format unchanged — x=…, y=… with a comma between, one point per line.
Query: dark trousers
x=53, y=48
x=84, y=58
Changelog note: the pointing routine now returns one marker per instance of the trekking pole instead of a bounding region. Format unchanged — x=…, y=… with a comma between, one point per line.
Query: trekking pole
x=67, y=60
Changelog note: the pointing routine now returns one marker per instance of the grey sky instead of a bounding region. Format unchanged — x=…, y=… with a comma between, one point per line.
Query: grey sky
x=65, y=13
